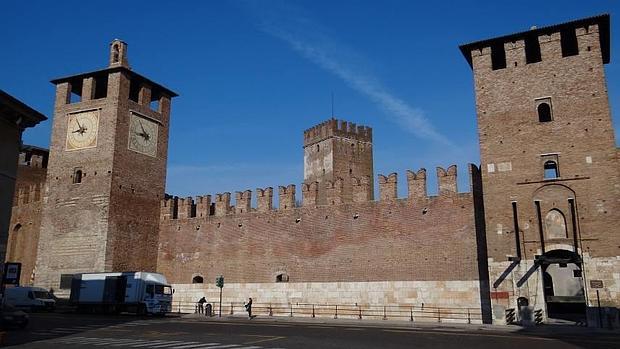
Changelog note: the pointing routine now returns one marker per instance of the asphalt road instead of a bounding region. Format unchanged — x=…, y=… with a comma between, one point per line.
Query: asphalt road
x=88, y=331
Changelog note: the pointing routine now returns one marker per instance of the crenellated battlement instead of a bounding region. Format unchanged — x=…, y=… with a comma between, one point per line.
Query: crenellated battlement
x=584, y=37
x=203, y=206
x=244, y=201
x=334, y=190
x=264, y=199
x=337, y=128
x=286, y=196
x=28, y=194
x=309, y=192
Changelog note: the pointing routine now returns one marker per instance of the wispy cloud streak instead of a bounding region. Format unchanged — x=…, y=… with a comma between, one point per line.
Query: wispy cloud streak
x=306, y=37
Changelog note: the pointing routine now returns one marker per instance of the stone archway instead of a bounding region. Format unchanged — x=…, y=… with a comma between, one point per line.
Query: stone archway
x=563, y=285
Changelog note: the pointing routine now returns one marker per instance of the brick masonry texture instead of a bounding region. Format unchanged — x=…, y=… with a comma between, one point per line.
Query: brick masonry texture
x=392, y=239
x=337, y=237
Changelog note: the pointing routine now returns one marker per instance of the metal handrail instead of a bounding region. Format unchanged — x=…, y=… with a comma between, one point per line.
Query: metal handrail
x=359, y=311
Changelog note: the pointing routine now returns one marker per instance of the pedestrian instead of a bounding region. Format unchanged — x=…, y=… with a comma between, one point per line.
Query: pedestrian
x=201, y=303
x=248, y=308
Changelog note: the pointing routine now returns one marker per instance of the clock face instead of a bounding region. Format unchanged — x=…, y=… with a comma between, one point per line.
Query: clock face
x=143, y=135
x=82, y=130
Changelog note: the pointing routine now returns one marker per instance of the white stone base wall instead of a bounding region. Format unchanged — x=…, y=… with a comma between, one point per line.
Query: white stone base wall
x=422, y=298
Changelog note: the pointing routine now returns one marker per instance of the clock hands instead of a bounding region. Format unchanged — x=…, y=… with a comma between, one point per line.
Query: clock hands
x=81, y=129
x=143, y=134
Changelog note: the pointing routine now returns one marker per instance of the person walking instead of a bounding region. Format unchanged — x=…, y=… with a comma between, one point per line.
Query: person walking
x=201, y=303
x=248, y=308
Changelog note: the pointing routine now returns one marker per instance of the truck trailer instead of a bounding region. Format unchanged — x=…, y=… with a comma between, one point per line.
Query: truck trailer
x=137, y=292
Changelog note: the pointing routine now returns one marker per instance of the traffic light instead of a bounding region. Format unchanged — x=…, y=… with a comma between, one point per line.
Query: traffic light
x=219, y=281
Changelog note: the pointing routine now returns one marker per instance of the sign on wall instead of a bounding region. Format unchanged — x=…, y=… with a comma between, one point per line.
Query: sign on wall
x=12, y=272
x=596, y=283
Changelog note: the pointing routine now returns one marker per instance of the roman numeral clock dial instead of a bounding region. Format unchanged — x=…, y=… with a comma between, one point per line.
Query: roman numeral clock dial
x=143, y=135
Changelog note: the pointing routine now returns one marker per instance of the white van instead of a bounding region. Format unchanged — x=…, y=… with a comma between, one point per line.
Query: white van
x=29, y=298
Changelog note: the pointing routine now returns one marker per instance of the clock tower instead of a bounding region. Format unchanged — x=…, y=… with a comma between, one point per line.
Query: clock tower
x=106, y=173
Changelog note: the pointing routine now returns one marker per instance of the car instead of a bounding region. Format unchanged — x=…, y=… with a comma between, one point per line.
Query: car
x=29, y=298
x=11, y=317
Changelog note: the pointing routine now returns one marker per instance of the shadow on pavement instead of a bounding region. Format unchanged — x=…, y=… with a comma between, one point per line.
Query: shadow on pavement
x=44, y=326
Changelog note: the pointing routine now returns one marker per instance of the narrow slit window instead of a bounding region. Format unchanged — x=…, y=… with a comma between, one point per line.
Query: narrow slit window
x=498, y=56
x=568, y=40
x=551, y=170
x=77, y=176
x=544, y=112
x=532, y=50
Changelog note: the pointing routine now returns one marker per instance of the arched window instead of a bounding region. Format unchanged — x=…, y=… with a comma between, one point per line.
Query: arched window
x=77, y=176
x=197, y=279
x=282, y=277
x=115, y=54
x=551, y=170
x=555, y=225
x=544, y=112
x=13, y=242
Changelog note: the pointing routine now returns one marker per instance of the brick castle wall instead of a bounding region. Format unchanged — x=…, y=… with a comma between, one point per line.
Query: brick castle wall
x=418, y=238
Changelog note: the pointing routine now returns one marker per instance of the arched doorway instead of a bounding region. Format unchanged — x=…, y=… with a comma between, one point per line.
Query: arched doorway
x=563, y=285
x=13, y=237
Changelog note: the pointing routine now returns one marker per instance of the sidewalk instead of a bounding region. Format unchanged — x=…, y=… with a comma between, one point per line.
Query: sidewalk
x=543, y=330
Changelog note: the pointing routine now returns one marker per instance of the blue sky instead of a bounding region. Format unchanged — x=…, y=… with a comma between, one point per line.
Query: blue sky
x=252, y=75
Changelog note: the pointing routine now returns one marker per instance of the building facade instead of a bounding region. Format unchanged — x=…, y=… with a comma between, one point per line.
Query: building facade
x=536, y=230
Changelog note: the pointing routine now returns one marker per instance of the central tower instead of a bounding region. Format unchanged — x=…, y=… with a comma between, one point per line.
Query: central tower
x=336, y=150
x=106, y=173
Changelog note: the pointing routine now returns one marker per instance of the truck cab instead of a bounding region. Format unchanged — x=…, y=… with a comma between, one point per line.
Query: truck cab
x=158, y=298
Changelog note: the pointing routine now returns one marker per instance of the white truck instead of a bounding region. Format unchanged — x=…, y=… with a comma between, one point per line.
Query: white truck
x=137, y=292
x=29, y=298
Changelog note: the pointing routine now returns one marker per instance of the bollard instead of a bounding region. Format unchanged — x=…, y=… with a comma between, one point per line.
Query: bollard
x=438, y=315
x=312, y=310
x=384, y=314
x=291, y=309
x=360, y=309
x=270, y=310
x=468, y=317
x=231, y=308
x=336, y=316
x=411, y=318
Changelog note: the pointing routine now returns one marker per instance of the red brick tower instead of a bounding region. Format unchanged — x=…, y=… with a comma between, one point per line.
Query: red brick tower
x=106, y=173
x=551, y=176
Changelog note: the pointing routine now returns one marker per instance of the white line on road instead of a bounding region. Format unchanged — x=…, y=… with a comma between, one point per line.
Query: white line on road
x=172, y=345
x=195, y=346
x=156, y=342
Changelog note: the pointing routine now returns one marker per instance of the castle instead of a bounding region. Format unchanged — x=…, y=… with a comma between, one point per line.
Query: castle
x=538, y=226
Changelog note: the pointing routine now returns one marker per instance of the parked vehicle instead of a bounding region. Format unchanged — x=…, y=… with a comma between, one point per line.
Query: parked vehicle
x=137, y=292
x=29, y=298
x=11, y=317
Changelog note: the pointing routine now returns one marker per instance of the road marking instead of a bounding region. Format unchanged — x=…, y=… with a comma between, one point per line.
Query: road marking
x=201, y=345
x=354, y=329
x=271, y=338
x=225, y=346
x=151, y=342
x=155, y=342
x=172, y=345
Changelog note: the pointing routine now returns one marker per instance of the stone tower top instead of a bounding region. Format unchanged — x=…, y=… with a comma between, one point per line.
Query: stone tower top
x=118, y=54
x=530, y=41
x=337, y=128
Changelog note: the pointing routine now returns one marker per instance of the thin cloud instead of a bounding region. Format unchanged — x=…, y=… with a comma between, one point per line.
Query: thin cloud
x=307, y=38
